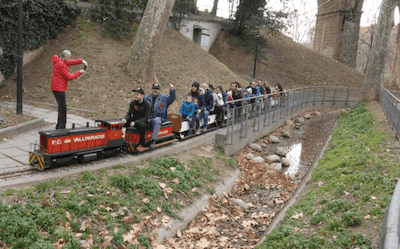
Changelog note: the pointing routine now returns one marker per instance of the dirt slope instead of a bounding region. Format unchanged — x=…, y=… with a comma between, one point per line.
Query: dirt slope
x=106, y=87
x=288, y=63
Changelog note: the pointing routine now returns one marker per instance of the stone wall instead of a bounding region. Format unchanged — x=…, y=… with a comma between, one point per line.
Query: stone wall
x=337, y=29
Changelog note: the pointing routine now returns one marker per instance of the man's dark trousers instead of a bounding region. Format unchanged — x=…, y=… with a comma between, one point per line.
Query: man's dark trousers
x=62, y=109
x=141, y=129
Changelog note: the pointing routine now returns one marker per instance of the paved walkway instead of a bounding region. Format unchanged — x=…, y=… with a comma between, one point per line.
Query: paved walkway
x=14, y=153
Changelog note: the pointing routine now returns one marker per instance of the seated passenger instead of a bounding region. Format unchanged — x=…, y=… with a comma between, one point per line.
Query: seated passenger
x=205, y=103
x=159, y=104
x=138, y=116
x=196, y=90
x=187, y=112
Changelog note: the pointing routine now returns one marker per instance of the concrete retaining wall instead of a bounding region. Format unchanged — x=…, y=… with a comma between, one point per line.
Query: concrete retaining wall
x=240, y=142
x=21, y=128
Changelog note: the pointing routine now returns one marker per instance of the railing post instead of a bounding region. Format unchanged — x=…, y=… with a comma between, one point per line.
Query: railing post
x=334, y=97
x=323, y=96
x=347, y=97
x=315, y=95
x=270, y=110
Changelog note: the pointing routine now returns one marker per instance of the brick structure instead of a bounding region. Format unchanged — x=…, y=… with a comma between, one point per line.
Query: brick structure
x=337, y=29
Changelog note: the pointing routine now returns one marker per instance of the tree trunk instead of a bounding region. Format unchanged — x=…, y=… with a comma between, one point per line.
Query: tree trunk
x=376, y=63
x=148, y=38
x=214, y=10
x=395, y=71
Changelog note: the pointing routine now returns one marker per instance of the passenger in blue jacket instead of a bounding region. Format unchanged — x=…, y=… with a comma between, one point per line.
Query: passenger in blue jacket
x=187, y=111
x=159, y=104
x=206, y=102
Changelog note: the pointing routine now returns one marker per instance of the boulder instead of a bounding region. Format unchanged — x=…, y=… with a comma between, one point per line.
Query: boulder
x=307, y=116
x=258, y=159
x=301, y=120
x=240, y=203
x=273, y=139
x=289, y=122
x=286, y=134
x=256, y=147
x=285, y=162
x=280, y=151
x=273, y=158
x=249, y=156
x=276, y=166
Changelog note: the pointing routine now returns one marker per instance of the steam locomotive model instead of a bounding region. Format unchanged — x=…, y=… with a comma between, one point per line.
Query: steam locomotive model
x=77, y=145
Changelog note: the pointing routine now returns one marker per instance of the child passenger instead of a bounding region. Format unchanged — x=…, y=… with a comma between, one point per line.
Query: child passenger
x=187, y=111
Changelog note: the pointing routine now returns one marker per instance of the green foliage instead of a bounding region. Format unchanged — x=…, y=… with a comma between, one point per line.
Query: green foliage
x=43, y=21
x=248, y=19
x=182, y=8
x=352, y=217
x=143, y=240
x=116, y=17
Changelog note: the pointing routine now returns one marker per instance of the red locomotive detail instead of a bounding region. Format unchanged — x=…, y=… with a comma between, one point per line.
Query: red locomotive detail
x=68, y=145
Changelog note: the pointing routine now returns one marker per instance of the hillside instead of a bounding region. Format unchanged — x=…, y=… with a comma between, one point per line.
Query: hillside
x=288, y=63
x=106, y=87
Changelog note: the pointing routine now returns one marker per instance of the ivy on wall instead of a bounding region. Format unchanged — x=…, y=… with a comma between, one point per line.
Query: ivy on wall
x=43, y=21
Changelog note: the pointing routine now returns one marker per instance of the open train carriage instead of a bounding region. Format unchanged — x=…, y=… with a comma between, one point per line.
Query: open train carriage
x=166, y=135
x=67, y=146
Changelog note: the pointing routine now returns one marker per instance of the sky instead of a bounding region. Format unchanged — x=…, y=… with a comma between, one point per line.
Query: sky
x=309, y=10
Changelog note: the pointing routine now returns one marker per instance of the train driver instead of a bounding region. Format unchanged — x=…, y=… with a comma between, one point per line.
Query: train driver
x=159, y=104
x=138, y=116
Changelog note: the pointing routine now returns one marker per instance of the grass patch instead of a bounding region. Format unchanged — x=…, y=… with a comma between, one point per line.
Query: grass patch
x=114, y=202
x=354, y=180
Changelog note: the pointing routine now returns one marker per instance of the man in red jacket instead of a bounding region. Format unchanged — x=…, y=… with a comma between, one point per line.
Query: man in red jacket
x=59, y=82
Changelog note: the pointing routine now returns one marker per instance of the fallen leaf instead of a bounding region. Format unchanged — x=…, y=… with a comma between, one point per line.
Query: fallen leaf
x=104, y=232
x=65, y=192
x=107, y=241
x=296, y=229
x=89, y=240
x=85, y=224
x=80, y=203
x=366, y=217
x=162, y=185
x=78, y=235
x=165, y=221
x=373, y=197
x=59, y=243
x=146, y=200
x=175, y=180
x=90, y=195
x=172, y=168
x=159, y=209
x=115, y=229
x=109, y=193
x=44, y=202
x=297, y=216
x=179, y=234
x=95, y=212
x=194, y=189
x=68, y=215
x=320, y=184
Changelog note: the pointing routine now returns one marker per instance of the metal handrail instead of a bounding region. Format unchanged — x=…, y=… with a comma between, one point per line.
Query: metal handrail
x=272, y=108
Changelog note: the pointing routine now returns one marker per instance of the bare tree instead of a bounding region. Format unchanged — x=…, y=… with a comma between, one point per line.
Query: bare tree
x=214, y=10
x=395, y=70
x=148, y=38
x=376, y=63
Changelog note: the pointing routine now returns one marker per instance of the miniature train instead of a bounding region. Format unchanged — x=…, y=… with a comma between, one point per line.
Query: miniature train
x=77, y=145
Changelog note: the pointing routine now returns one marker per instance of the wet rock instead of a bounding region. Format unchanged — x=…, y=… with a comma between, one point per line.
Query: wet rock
x=285, y=162
x=240, y=203
x=276, y=166
x=307, y=115
x=273, y=158
x=286, y=134
x=256, y=147
x=258, y=159
x=280, y=151
x=249, y=156
x=246, y=187
x=264, y=145
x=273, y=139
x=301, y=120
x=289, y=122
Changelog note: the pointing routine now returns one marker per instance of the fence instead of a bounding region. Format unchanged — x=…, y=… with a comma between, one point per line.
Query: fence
x=390, y=238
x=391, y=107
x=264, y=110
